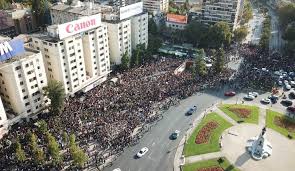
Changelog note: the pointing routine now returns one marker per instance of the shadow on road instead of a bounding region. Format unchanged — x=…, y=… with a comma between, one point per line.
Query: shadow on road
x=243, y=158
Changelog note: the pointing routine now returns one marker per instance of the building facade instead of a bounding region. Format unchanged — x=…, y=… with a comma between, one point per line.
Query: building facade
x=139, y=30
x=79, y=60
x=123, y=33
x=22, y=81
x=156, y=6
x=214, y=11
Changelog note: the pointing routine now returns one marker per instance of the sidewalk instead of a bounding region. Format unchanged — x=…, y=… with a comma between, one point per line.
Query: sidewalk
x=202, y=157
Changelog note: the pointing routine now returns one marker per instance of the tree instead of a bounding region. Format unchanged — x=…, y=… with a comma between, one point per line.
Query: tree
x=33, y=142
x=39, y=156
x=125, y=61
x=42, y=124
x=65, y=137
x=286, y=14
x=56, y=93
x=218, y=64
x=20, y=153
x=53, y=148
x=240, y=33
x=195, y=32
x=152, y=27
x=154, y=44
x=220, y=34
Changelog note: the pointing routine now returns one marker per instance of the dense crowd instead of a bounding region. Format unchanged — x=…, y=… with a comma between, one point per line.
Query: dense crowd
x=111, y=116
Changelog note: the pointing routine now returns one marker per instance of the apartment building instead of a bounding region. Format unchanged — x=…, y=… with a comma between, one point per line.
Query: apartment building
x=126, y=26
x=75, y=53
x=22, y=78
x=156, y=6
x=139, y=30
x=120, y=40
x=214, y=11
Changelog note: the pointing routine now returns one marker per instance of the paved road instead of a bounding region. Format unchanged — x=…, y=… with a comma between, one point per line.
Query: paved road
x=162, y=150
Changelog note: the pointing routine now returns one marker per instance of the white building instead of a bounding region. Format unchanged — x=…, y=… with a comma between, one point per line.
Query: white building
x=22, y=79
x=120, y=40
x=139, y=30
x=3, y=119
x=126, y=26
x=214, y=11
x=75, y=53
x=156, y=6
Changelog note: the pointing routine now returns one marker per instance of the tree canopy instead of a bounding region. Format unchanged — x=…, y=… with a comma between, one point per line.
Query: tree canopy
x=56, y=93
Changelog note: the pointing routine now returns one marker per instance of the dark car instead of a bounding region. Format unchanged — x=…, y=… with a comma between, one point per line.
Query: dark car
x=292, y=95
x=191, y=110
x=287, y=102
x=230, y=93
x=291, y=109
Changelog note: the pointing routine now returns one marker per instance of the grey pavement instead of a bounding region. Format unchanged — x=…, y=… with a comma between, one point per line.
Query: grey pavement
x=225, y=116
x=202, y=157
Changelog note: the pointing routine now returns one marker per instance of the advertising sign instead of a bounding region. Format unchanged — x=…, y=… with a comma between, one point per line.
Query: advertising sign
x=78, y=26
x=11, y=48
x=131, y=10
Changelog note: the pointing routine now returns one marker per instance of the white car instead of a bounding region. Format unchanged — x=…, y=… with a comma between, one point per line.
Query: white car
x=255, y=94
x=265, y=101
x=142, y=152
x=288, y=87
x=249, y=97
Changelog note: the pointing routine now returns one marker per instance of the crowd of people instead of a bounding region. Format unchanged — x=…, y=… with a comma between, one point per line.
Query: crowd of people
x=111, y=116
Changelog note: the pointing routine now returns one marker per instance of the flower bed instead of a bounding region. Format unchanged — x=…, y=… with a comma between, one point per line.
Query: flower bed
x=285, y=123
x=211, y=169
x=205, y=133
x=240, y=112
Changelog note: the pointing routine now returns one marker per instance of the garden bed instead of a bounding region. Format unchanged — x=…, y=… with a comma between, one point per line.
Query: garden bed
x=205, y=133
x=191, y=148
x=211, y=169
x=241, y=113
x=280, y=123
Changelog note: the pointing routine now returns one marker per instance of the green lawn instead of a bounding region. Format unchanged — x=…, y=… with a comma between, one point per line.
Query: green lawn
x=270, y=115
x=191, y=148
x=254, y=116
x=210, y=163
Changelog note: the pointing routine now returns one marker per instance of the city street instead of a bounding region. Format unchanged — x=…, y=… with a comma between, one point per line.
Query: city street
x=161, y=149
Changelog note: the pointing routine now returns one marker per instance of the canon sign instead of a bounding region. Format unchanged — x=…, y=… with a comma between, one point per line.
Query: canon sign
x=78, y=26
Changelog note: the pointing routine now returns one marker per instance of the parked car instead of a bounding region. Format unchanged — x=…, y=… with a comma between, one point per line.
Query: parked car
x=175, y=134
x=191, y=110
x=230, y=93
x=291, y=109
x=292, y=95
x=287, y=102
x=265, y=101
x=249, y=97
x=287, y=87
x=142, y=152
x=255, y=94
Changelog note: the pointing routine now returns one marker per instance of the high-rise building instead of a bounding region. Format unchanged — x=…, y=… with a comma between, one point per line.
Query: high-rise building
x=214, y=11
x=22, y=79
x=75, y=53
x=126, y=26
x=155, y=6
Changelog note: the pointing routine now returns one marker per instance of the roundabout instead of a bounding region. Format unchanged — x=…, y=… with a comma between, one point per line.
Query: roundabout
x=243, y=146
x=234, y=149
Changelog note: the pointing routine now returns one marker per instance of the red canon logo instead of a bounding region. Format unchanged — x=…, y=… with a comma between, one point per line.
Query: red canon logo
x=70, y=28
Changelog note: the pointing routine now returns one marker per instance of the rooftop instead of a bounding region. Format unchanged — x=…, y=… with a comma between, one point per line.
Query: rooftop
x=177, y=18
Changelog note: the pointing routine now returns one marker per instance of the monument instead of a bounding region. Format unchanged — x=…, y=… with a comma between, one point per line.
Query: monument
x=259, y=147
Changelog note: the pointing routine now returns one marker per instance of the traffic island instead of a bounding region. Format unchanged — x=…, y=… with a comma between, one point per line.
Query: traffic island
x=205, y=137
x=241, y=113
x=280, y=123
x=218, y=164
